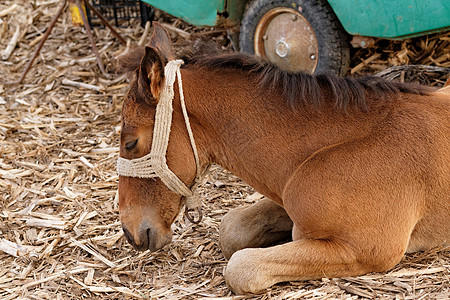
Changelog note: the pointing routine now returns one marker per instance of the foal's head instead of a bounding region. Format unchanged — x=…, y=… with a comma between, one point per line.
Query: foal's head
x=147, y=206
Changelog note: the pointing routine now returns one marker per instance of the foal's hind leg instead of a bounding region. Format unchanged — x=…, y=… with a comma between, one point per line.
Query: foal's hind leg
x=262, y=224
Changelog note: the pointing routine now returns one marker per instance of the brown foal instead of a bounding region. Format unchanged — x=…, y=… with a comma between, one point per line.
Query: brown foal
x=357, y=170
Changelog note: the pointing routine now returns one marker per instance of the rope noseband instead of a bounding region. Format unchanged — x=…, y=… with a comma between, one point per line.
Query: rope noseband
x=154, y=164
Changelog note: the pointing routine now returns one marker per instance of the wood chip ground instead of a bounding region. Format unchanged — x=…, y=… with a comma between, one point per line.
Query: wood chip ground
x=60, y=235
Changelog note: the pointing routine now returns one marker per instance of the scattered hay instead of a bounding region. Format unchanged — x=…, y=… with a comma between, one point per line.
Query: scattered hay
x=60, y=235
x=429, y=51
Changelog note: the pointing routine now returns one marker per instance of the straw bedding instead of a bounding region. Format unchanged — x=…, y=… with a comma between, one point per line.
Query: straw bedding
x=60, y=235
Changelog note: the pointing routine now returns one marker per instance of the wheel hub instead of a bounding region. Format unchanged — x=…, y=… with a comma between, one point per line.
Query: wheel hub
x=285, y=37
x=282, y=49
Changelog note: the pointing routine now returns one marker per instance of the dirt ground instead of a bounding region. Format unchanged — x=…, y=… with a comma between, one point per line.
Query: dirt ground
x=60, y=235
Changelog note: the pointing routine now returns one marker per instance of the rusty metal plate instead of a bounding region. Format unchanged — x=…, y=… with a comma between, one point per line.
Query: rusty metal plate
x=286, y=38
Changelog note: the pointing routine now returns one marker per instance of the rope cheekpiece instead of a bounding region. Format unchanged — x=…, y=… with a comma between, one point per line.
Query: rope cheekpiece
x=154, y=164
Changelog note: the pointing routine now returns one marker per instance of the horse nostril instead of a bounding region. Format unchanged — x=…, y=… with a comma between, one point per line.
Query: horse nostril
x=148, y=236
x=129, y=237
x=145, y=239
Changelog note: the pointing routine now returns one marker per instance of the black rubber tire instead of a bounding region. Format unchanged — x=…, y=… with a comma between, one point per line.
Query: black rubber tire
x=333, y=41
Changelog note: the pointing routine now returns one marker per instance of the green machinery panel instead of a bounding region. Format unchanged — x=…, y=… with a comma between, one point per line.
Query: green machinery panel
x=376, y=18
x=203, y=13
x=392, y=18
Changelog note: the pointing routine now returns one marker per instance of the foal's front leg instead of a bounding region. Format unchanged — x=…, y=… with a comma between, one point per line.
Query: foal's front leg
x=253, y=270
x=262, y=224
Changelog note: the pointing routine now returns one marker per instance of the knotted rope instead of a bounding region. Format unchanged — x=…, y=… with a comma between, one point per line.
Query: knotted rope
x=154, y=164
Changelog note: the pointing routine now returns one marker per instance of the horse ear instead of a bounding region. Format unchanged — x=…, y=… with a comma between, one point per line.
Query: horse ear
x=151, y=75
x=160, y=40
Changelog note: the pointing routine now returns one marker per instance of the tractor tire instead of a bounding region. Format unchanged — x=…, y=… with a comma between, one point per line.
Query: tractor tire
x=296, y=35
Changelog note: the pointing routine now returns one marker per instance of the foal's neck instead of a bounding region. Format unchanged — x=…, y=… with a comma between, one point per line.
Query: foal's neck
x=256, y=135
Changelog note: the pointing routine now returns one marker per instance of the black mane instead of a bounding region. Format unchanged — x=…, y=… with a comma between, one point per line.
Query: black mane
x=301, y=87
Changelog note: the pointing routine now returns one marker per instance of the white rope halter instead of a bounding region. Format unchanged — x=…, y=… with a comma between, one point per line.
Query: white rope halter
x=154, y=164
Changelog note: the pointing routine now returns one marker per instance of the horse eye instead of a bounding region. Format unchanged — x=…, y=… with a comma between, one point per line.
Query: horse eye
x=131, y=145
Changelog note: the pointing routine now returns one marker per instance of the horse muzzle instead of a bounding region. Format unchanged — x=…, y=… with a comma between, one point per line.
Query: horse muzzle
x=146, y=237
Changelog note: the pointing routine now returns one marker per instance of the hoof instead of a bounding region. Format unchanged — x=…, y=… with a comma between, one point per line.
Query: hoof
x=244, y=273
